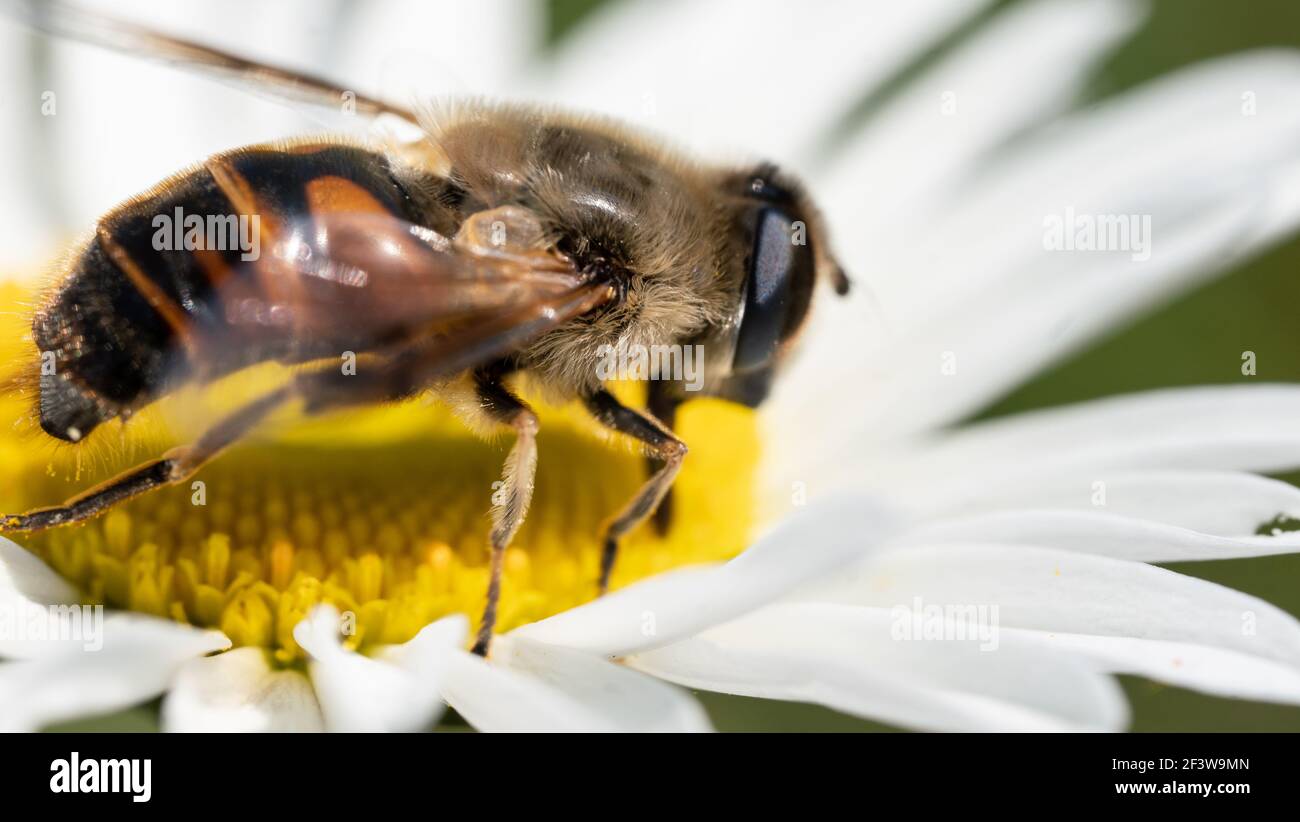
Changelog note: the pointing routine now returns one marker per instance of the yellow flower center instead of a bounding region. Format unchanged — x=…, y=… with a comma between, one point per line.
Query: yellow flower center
x=383, y=513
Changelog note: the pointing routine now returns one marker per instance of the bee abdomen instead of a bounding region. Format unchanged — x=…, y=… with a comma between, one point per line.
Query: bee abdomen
x=141, y=307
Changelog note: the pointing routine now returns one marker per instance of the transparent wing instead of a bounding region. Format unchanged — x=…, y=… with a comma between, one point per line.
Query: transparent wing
x=73, y=22
x=372, y=282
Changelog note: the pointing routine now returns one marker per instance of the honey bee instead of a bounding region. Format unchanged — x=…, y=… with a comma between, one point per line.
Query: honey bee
x=509, y=240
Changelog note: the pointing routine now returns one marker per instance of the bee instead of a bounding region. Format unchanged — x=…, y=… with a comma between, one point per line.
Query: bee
x=508, y=240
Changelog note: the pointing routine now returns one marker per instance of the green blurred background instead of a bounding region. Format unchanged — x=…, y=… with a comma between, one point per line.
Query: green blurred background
x=1196, y=340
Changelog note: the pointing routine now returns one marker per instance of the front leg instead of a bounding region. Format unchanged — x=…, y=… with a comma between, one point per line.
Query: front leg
x=661, y=444
x=662, y=402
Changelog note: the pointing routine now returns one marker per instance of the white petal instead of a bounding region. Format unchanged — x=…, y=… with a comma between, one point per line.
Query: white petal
x=805, y=546
x=1243, y=427
x=239, y=691
x=531, y=687
x=840, y=48
x=40, y=612
x=1169, y=149
x=426, y=653
x=914, y=149
x=848, y=658
x=966, y=360
x=1242, y=502
x=1065, y=592
x=494, y=698
x=1100, y=534
x=1083, y=295
x=1213, y=182
x=1172, y=145
x=428, y=656
x=25, y=579
x=1187, y=665
x=138, y=659
x=621, y=699
x=357, y=693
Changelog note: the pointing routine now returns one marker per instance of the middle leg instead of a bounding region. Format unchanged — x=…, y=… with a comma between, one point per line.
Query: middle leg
x=511, y=498
x=661, y=444
x=406, y=373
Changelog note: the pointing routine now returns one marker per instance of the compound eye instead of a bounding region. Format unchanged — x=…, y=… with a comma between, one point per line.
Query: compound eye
x=777, y=290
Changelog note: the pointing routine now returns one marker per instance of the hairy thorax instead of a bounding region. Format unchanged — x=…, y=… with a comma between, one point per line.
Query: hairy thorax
x=622, y=208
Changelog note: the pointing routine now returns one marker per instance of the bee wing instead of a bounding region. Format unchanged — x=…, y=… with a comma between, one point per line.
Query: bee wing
x=76, y=23
x=495, y=334
x=371, y=282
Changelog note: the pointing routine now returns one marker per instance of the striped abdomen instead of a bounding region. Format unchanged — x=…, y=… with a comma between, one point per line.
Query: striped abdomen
x=150, y=302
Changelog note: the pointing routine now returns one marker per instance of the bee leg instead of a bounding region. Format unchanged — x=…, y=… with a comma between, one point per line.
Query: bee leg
x=511, y=499
x=662, y=444
x=317, y=388
x=662, y=405
x=172, y=467
x=324, y=390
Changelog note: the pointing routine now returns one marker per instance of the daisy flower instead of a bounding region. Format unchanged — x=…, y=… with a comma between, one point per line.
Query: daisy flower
x=855, y=544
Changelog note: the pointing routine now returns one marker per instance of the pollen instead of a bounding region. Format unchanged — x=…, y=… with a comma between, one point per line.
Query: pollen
x=383, y=513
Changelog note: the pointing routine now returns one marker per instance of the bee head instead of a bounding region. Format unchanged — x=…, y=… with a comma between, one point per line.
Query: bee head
x=786, y=255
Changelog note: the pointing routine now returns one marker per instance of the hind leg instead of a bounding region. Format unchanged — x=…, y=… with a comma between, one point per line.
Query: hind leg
x=320, y=391
x=174, y=466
